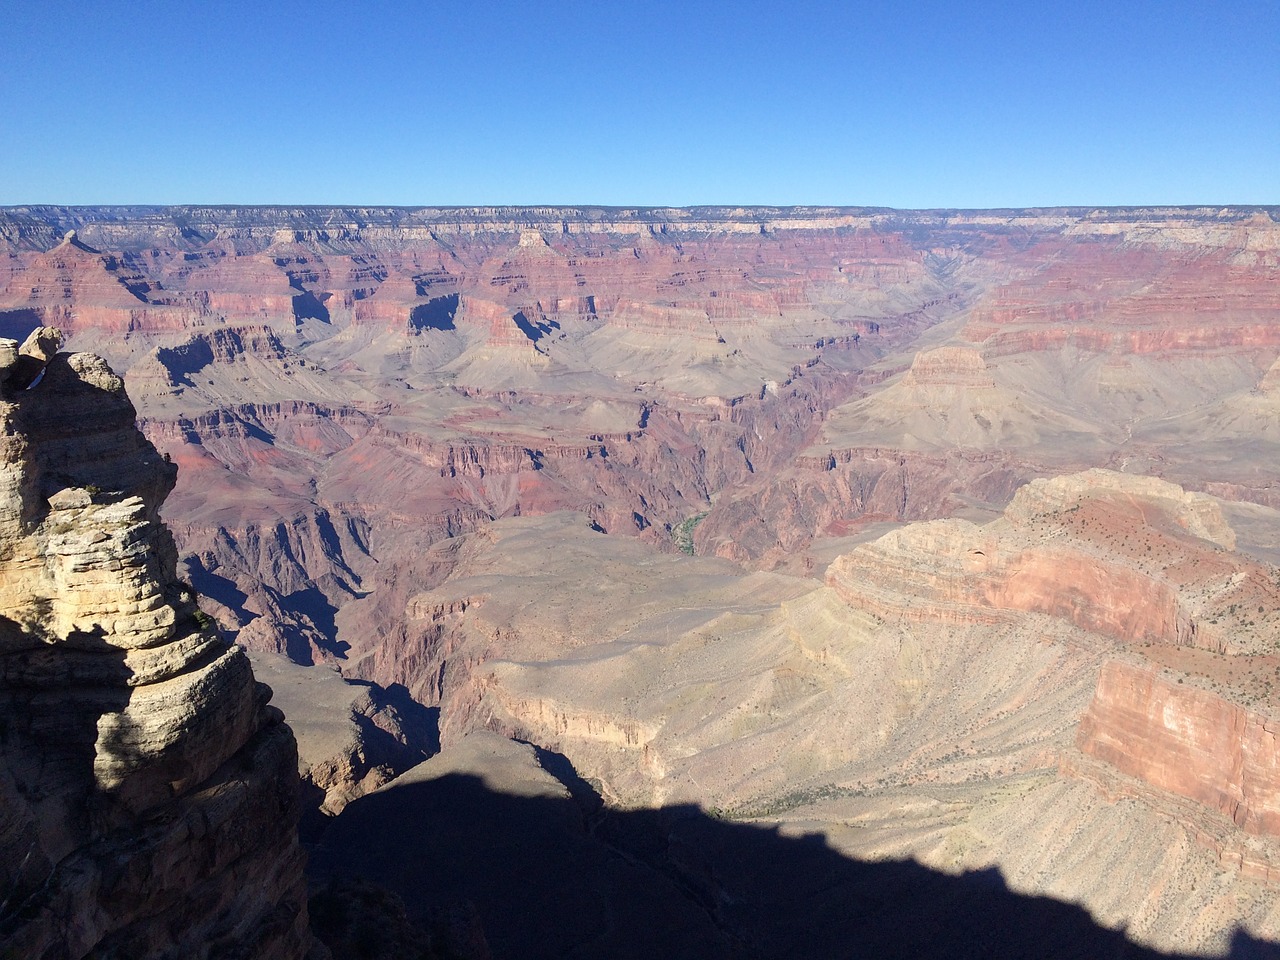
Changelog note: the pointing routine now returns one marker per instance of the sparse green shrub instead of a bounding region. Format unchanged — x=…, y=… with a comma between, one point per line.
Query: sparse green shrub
x=683, y=532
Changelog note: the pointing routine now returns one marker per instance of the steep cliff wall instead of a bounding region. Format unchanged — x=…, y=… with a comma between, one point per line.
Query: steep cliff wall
x=1189, y=741
x=1182, y=627
x=148, y=793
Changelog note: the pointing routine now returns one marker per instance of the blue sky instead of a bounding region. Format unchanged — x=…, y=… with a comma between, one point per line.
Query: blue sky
x=908, y=104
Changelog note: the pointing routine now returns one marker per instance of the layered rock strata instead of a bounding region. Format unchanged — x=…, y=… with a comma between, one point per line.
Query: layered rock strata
x=148, y=793
x=889, y=718
x=761, y=356
x=1135, y=559
x=1185, y=630
x=1189, y=741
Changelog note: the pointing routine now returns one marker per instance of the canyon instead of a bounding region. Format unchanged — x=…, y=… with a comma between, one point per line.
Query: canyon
x=931, y=551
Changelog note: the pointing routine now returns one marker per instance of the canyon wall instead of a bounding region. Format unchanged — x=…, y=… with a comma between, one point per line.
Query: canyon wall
x=1189, y=741
x=927, y=703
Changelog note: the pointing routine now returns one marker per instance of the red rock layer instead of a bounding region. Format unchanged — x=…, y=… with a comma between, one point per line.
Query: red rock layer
x=1119, y=298
x=1186, y=740
x=1127, y=557
x=646, y=279
x=948, y=570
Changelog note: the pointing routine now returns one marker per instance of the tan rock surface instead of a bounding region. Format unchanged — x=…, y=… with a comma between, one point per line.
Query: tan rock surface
x=925, y=705
x=149, y=793
x=950, y=398
x=352, y=737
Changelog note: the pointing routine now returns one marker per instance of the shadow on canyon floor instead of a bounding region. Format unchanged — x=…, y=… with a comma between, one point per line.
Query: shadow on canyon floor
x=416, y=738
x=552, y=877
x=302, y=618
x=419, y=726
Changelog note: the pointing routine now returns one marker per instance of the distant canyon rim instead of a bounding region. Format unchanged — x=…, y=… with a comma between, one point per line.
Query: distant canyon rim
x=948, y=538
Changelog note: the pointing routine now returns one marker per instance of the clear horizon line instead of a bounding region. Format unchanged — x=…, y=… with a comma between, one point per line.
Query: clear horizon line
x=638, y=207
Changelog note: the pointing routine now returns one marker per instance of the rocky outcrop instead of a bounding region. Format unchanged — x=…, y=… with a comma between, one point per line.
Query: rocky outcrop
x=353, y=736
x=1189, y=741
x=1135, y=559
x=1144, y=576
x=148, y=793
x=949, y=367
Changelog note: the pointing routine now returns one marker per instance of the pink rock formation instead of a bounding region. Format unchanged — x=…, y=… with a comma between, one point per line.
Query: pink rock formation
x=1185, y=739
x=1125, y=298
x=1131, y=558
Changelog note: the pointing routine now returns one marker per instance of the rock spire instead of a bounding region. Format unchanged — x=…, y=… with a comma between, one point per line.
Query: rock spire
x=148, y=793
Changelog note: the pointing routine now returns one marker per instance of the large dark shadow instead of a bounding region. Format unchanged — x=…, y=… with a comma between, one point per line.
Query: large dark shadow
x=534, y=331
x=311, y=603
x=185, y=359
x=418, y=726
x=550, y=877
x=216, y=587
x=417, y=738
x=435, y=314
x=52, y=698
x=307, y=306
x=304, y=617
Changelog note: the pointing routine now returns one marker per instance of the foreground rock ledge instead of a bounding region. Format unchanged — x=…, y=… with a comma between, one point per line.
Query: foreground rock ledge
x=148, y=793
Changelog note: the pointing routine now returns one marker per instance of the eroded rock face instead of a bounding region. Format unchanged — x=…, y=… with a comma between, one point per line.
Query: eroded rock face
x=340, y=385
x=1135, y=559
x=1186, y=628
x=148, y=793
x=891, y=726
x=1187, y=740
